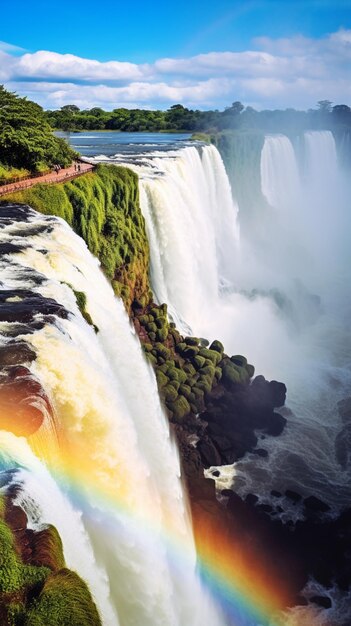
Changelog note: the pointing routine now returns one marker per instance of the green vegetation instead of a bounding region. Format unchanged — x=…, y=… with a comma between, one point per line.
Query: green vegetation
x=35, y=587
x=65, y=600
x=26, y=139
x=82, y=303
x=15, y=575
x=103, y=208
x=179, y=118
x=186, y=370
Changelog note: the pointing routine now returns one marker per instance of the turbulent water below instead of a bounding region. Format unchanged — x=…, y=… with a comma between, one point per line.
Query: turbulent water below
x=276, y=292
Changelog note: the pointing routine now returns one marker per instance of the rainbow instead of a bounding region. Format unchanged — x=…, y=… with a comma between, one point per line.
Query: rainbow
x=246, y=592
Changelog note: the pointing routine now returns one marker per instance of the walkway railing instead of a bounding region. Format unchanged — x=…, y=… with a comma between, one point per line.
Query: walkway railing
x=49, y=179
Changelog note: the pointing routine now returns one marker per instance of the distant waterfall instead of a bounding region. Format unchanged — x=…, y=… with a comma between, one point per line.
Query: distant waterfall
x=279, y=171
x=192, y=226
x=320, y=157
x=117, y=464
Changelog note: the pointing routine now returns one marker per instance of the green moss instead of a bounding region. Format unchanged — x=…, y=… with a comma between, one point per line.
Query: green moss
x=191, y=341
x=161, y=334
x=103, y=208
x=82, y=303
x=162, y=351
x=199, y=361
x=162, y=379
x=14, y=575
x=185, y=390
x=65, y=600
x=217, y=346
x=230, y=373
x=170, y=393
x=180, y=408
x=212, y=355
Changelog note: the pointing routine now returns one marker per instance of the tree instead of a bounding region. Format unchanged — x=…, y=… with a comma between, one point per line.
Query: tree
x=70, y=108
x=324, y=106
x=26, y=138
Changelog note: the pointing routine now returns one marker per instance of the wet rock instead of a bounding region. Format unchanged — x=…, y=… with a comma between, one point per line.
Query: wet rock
x=276, y=494
x=23, y=401
x=15, y=352
x=323, y=601
x=251, y=499
x=23, y=305
x=316, y=505
x=293, y=495
x=260, y=452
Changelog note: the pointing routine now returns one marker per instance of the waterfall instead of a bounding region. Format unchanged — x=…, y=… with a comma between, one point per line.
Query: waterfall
x=285, y=304
x=117, y=465
x=191, y=221
x=279, y=171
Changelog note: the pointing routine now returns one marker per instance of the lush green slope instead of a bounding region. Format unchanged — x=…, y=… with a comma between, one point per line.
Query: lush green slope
x=103, y=208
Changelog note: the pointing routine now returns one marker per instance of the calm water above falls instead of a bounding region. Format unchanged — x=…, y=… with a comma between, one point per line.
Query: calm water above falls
x=108, y=143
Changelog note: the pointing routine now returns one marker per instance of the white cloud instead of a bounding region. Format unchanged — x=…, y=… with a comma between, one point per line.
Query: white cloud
x=44, y=65
x=294, y=71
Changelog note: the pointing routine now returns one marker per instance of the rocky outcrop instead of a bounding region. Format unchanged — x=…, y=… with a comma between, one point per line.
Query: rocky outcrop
x=35, y=586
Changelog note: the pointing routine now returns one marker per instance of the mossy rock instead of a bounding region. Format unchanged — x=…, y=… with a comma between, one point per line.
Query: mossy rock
x=151, y=358
x=170, y=393
x=162, y=350
x=161, y=334
x=162, y=379
x=204, y=342
x=147, y=347
x=163, y=368
x=175, y=384
x=190, y=352
x=212, y=355
x=230, y=373
x=185, y=390
x=208, y=370
x=217, y=346
x=180, y=408
x=189, y=368
x=180, y=347
x=198, y=392
x=151, y=327
x=250, y=370
x=161, y=322
x=175, y=373
x=143, y=319
x=65, y=600
x=204, y=384
x=218, y=373
x=152, y=336
x=239, y=360
x=199, y=362
x=191, y=341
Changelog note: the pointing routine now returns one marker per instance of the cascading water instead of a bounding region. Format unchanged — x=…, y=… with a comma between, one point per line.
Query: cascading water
x=116, y=468
x=285, y=305
x=191, y=221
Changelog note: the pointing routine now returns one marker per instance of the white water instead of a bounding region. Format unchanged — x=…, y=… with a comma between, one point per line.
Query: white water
x=286, y=305
x=117, y=464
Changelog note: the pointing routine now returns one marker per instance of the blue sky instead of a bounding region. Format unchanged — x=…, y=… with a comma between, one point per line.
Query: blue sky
x=206, y=54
